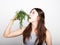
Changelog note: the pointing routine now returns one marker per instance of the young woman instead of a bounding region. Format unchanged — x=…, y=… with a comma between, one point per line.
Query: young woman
x=33, y=34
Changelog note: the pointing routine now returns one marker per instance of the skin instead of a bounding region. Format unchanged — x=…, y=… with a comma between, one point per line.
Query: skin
x=34, y=19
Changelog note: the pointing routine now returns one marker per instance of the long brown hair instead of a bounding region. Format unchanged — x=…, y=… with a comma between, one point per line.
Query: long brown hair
x=41, y=29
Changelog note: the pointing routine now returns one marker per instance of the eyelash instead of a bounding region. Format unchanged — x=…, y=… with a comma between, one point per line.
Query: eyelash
x=33, y=12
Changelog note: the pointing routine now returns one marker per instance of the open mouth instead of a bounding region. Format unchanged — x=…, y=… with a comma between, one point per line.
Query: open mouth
x=29, y=17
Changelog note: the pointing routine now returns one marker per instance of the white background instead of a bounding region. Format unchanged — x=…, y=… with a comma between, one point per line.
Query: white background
x=8, y=9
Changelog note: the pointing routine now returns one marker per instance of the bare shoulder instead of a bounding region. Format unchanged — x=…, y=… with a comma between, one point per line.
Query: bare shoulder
x=48, y=33
x=48, y=38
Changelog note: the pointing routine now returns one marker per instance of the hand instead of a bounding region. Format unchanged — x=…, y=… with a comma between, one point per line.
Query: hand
x=14, y=18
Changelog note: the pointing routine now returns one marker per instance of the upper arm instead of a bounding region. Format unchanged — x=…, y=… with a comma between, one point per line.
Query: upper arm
x=15, y=33
x=48, y=38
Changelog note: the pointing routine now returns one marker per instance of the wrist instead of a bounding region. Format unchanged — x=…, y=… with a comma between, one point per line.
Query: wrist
x=12, y=20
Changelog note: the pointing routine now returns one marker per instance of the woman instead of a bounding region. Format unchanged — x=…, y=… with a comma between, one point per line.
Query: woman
x=33, y=34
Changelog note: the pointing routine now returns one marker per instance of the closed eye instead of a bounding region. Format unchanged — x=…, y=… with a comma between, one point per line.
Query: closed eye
x=33, y=12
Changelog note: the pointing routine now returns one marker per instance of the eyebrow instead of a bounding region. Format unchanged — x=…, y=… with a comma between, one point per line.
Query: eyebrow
x=31, y=10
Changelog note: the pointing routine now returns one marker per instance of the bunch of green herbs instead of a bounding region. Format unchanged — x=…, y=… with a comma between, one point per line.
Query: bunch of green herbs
x=21, y=15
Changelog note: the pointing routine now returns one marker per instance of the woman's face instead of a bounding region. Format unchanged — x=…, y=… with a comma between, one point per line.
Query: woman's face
x=33, y=16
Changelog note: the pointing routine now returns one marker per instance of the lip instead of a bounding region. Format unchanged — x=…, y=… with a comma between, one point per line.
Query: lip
x=29, y=17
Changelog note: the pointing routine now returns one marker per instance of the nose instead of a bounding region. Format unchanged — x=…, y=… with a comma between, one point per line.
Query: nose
x=30, y=15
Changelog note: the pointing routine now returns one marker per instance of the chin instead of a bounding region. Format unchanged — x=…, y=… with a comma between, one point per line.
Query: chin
x=30, y=20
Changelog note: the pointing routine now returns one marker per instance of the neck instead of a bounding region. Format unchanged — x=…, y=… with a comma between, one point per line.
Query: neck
x=34, y=25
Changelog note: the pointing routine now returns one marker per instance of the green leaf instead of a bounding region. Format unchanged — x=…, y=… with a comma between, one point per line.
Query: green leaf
x=21, y=15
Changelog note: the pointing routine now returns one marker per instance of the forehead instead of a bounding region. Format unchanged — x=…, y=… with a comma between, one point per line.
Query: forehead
x=33, y=10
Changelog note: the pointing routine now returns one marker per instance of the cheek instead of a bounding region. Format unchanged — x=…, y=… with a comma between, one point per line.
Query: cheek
x=34, y=18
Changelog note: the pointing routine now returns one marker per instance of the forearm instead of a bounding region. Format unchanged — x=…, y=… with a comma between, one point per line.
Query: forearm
x=8, y=29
